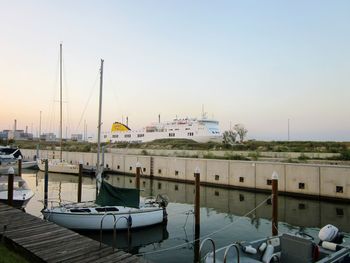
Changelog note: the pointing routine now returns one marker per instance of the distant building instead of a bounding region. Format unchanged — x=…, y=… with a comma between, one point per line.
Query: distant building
x=3, y=135
x=49, y=137
x=77, y=137
x=15, y=135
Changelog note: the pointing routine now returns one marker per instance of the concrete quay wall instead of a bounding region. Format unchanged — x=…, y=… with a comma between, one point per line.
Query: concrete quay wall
x=202, y=153
x=300, y=179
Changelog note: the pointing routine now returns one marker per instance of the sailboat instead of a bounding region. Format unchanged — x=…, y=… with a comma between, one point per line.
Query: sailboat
x=59, y=165
x=21, y=191
x=9, y=157
x=114, y=207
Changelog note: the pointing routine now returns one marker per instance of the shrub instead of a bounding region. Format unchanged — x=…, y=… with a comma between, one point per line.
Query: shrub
x=254, y=155
x=303, y=157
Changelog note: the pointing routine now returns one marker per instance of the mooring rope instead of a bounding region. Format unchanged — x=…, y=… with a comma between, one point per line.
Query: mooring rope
x=205, y=236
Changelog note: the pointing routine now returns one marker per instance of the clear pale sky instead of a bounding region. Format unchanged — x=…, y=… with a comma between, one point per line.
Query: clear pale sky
x=258, y=63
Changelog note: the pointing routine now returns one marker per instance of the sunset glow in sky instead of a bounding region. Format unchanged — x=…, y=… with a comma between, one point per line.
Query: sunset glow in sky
x=258, y=63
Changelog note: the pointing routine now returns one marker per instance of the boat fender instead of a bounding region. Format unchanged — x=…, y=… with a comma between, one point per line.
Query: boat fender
x=330, y=246
x=249, y=249
x=268, y=254
x=262, y=247
x=129, y=221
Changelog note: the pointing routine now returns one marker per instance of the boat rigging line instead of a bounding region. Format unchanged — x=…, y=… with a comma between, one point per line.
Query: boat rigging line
x=208, y=235
x=88, y=101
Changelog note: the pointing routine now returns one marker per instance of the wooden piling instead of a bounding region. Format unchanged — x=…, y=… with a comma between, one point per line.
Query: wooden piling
x=80, y=181
x=138, y=172
x=20, y=166
x=46, y=183
x=197, y=215
x=11, y=173
x=151, y=171
x=274, y=204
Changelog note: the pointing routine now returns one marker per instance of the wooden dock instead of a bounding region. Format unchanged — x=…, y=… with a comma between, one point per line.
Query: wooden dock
x=42, y=241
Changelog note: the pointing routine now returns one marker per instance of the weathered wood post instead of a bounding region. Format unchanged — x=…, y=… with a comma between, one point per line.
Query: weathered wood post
x=46, y=183
x=274, y=203
x=138, y=172
x=197, y=214
x=19, y=166
x=80, y=181
x=151, y=171
x=10, y=174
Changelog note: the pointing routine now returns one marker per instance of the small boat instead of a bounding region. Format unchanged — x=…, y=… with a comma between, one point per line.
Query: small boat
x=14, y=164
x=286, y=248
x=9, y=157
x=21, y=192
x=120, y=206
x=58, y=166
x=9, y=154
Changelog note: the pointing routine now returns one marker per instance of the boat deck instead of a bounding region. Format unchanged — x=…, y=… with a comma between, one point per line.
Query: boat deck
x=42, y=241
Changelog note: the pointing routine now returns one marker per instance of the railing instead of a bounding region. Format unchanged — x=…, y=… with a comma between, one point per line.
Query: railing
x=101, y=224
x=201, y=246
x=115, y=230
x=235, y=245
x=115, y=221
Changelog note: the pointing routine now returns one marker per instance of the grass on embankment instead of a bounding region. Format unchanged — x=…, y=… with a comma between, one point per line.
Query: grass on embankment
x=7, y=256
x=255, y=147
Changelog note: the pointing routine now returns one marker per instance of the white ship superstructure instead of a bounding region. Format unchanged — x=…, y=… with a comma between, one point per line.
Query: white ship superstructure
x=200, y=130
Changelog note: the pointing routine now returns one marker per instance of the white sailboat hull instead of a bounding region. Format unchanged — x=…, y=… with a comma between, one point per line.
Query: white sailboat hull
x=92, y=221
x=20, y=197
x=57, y=166
x=21, y=192
x=25, y=165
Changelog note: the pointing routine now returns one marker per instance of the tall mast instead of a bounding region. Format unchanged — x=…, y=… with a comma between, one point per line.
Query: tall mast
x=99, y=120
x=61, y=102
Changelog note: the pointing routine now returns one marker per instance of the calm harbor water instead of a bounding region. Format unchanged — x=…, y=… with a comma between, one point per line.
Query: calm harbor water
x=226, y=215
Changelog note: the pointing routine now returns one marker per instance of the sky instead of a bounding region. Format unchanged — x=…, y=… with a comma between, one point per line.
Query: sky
x=263, y=64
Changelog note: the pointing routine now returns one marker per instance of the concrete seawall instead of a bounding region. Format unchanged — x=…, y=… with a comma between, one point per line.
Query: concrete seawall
x=315, y=180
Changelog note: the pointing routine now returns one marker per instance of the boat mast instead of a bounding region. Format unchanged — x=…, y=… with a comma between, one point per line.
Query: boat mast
x=61, y=102
x=99, y=124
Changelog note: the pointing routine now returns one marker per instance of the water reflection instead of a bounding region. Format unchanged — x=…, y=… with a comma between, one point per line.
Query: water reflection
x=294, y=211
x=153, y=235
x=219, y=208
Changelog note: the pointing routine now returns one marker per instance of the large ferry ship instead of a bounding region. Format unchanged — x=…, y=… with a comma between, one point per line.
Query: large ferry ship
x=199, y=130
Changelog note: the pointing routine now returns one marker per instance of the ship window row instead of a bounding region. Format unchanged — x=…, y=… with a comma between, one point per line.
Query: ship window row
x=140, y=135
x=171, y=134
x=190, y=134
x=127, y=135
x=115, y=136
